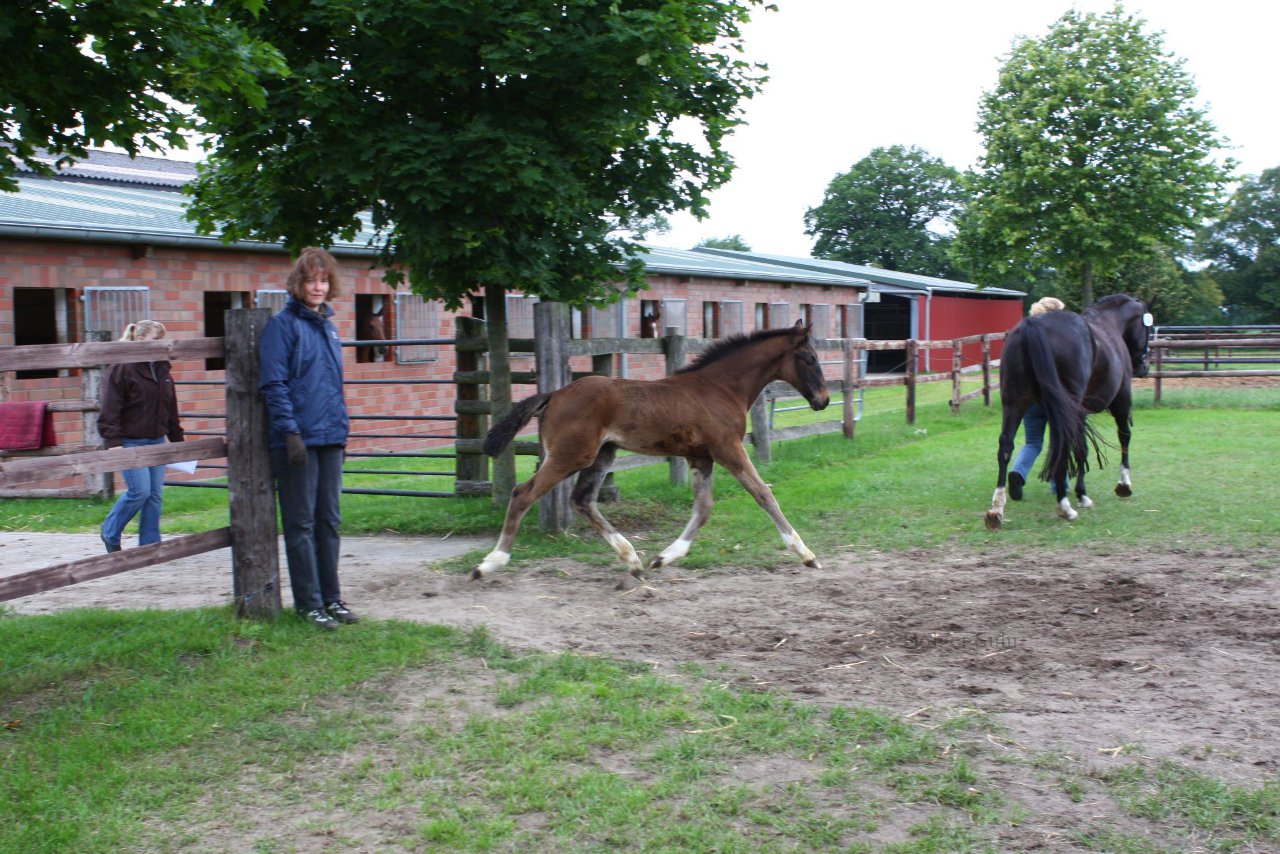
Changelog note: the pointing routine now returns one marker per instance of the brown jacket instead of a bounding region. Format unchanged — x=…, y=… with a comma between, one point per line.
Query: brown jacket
x=138, y=402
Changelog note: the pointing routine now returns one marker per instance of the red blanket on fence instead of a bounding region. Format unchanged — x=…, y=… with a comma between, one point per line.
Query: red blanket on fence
x=25, y=426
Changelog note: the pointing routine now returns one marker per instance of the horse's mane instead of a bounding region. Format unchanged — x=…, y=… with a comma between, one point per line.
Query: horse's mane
x=728, y=346
x=1110, y=300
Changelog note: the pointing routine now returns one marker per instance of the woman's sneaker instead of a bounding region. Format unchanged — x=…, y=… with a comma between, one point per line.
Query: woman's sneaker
x=340, y=612
x=319, y=618
x=1016, y=483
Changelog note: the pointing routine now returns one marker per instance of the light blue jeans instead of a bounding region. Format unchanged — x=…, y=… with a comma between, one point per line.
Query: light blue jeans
x=144, y=496
x=1033, y=422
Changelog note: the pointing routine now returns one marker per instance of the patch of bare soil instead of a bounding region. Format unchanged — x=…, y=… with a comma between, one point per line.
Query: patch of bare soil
x=1098, y=658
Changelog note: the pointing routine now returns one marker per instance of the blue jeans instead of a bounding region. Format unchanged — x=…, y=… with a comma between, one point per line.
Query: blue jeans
x=1033, y=422
x=145, y=493
x=311, y=515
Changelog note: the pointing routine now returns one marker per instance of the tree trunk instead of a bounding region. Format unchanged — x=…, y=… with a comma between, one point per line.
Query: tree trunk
x=1086, y=285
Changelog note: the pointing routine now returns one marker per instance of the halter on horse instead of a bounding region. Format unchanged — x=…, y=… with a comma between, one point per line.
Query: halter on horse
x=1073, y=365
x=699, y=413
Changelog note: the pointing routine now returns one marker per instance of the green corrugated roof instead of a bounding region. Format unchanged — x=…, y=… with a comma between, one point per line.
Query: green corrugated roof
x=875, y=275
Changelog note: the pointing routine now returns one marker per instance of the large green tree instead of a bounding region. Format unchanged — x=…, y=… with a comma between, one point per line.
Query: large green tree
x=1094, y=150
x=1182, y=296
x=81, y=73
x=889, y=210
x=1244, y=248
x=495, y=142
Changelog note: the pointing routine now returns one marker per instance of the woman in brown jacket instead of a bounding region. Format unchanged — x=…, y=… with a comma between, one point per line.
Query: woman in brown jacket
x=139, y=407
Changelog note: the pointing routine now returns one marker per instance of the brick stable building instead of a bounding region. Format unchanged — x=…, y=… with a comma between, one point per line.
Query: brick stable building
x=106, y=243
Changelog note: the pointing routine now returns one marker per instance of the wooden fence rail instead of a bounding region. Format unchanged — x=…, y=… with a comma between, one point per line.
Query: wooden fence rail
x=252, y=533
x=1246, y=346
x=553, y=349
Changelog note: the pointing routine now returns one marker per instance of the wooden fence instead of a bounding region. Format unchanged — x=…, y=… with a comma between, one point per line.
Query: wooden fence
x=252, y=534
x=1213, y=351
x=553, y=349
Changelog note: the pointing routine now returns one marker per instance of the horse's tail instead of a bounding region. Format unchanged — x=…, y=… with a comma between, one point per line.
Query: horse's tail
x=1069, y=430
x=501, y=434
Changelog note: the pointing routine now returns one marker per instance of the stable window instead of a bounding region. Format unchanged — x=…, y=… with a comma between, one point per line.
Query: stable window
x=607, y=322
x=675, y=313
x=374, y=322
x=820, y=316
x=731, y=318
x=416, y=318
x=779, y=315
x=710, y=319
x=111, y=309
x=850, y=321
x=520, y=315
x=272, y=298
x=216, y=306
x=41, y=316
x=650, y=318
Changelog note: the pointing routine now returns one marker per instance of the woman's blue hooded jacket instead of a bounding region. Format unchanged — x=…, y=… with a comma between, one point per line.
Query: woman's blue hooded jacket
x=300, y=363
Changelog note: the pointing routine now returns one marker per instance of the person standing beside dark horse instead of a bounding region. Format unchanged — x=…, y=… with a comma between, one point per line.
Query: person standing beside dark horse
x=1072, y=365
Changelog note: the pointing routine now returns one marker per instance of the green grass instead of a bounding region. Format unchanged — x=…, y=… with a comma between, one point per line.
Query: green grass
x=1205, y=464
x=156, y=730
x=142, y=731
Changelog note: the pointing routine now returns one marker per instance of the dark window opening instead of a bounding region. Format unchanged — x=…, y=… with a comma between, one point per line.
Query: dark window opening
x=374, y=323
x=216, y=306
x=35, y=321
x=650, y=318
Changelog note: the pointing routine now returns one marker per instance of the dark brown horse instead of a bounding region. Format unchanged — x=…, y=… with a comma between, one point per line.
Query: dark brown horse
x=373, y=327
x=699, y=413
x=1073, y=365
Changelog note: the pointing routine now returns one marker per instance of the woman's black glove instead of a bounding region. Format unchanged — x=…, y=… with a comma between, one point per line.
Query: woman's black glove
x=297, y=449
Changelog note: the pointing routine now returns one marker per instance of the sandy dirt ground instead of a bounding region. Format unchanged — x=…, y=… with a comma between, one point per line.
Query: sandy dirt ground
x=1176, y=654
x=1093, y=659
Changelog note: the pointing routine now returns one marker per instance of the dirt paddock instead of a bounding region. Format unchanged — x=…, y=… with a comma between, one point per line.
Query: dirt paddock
x=1175, y=655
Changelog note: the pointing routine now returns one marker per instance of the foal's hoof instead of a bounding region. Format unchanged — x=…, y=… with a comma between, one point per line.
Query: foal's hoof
x=812, y=563
x=1123, y=490
x=655, y=563
x=638, y=573
x=994, y=520
x=476, y=574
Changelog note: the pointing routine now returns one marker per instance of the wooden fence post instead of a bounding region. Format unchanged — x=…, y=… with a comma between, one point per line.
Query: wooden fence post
x=673, y=344
x=957, y=363
x=495, y=316
x=471, y=468
x=255, y=554
x=986, y=369
x=1155, y=385
x=101, y=485
x=551, y=332
x=852, y=363
x=913, y=369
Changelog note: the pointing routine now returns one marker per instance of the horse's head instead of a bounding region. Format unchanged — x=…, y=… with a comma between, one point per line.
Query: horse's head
x=801, y=368
x=1137, y=336
x=372, y=328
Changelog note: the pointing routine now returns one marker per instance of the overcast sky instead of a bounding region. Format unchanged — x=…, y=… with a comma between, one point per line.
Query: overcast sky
x=847, y=76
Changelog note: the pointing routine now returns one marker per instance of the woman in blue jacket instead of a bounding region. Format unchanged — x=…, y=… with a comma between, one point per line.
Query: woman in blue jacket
x=300, y=361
